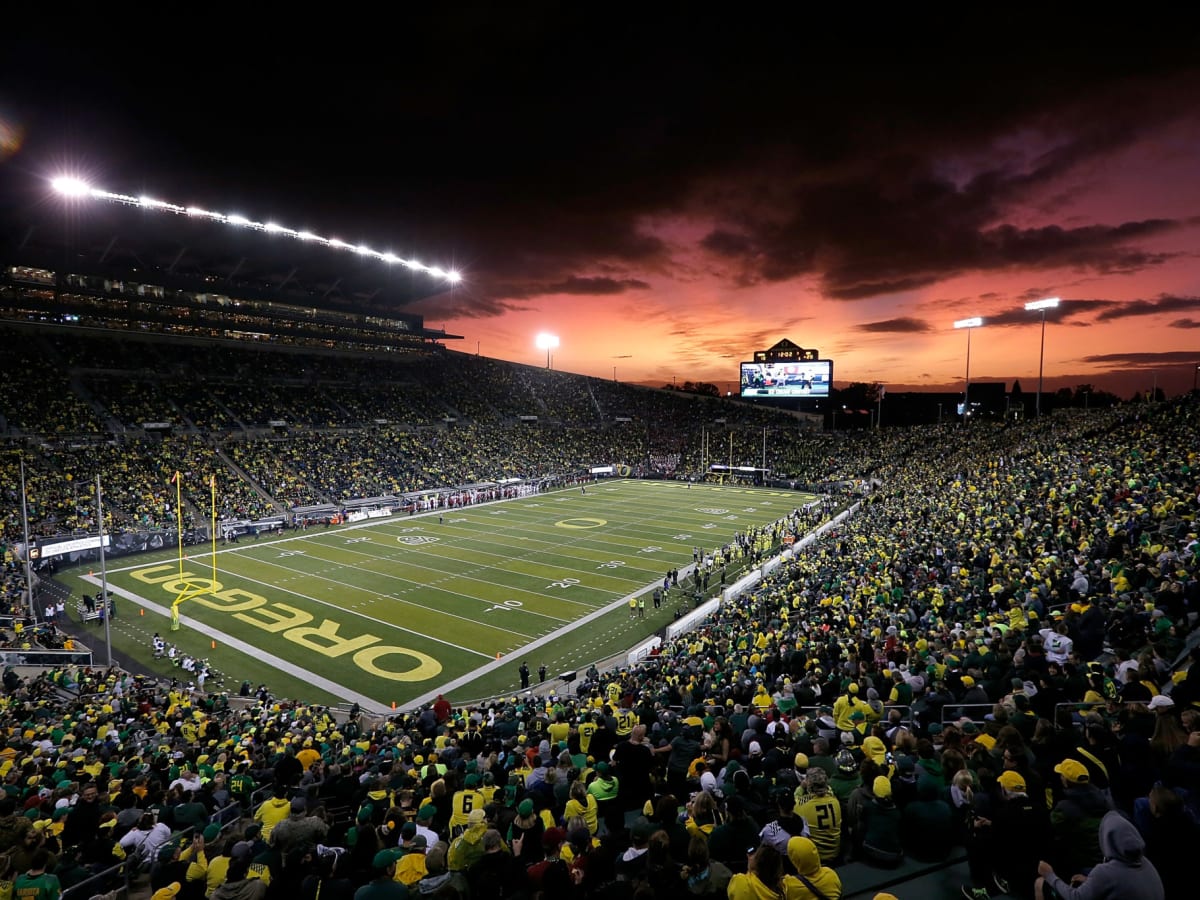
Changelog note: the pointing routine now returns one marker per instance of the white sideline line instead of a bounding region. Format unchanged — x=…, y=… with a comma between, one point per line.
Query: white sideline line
x=534, y=645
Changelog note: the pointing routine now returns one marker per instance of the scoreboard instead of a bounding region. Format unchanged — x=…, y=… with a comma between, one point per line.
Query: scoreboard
x=785, y=379
x=786, y=371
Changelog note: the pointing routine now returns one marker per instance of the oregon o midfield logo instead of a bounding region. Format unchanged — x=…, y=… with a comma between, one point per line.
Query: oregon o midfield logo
x=581, y=523
x=413, y=540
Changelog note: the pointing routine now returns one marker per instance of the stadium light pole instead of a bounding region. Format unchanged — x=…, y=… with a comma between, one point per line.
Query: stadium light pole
x=104, y=577
x=548, y=342
x=28, y=549
x=1042, y=306
x=1195, y=374
x=969, y=324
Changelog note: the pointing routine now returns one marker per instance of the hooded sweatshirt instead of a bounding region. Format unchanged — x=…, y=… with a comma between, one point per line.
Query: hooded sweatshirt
x=804, y=856
x=1125, y=873
x=467, y=848
x=1076, y=818
x=242, y=889
x=748, y=887
x=271, y=812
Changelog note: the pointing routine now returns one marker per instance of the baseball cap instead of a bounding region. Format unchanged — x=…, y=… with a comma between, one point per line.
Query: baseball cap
x=801, y=761
x=1012, y=781
x=242, y=851
x=1161, y=701
x=385, y=858
x=1073, y=770
x=552, y=838
x=881, y=787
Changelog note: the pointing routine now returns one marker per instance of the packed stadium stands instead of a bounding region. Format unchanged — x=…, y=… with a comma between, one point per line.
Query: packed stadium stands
x=958, y=682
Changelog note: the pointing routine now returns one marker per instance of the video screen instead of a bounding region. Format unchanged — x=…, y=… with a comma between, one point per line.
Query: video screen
x=787, y=379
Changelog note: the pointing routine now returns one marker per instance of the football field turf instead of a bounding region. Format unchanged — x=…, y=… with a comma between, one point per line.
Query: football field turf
x=394, y=610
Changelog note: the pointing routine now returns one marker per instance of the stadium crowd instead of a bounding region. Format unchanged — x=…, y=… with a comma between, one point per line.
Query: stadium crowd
x=993, y=656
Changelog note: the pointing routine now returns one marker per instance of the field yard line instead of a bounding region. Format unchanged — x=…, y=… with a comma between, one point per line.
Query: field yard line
x=507, y=660
x=371, y=618
x=488, y=604
x=478, y=566
x=496, y=537
x=258, y=653
x=338, y=529
x=401, y=561
x=372, y=523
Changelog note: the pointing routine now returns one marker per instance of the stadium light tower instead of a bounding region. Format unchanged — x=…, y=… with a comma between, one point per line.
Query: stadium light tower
x=970, y=325
x=548, y=342
x=1034, y=306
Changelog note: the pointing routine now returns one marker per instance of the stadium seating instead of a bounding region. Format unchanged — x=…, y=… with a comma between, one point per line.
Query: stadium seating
x=944, y=586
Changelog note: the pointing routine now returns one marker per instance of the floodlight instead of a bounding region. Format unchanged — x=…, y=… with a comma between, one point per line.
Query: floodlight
x=71, y=187
x=548, y=342
x=1048, y=303
x=969, y=323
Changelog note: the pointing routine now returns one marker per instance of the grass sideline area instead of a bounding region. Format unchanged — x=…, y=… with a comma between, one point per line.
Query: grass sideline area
x=392, y=610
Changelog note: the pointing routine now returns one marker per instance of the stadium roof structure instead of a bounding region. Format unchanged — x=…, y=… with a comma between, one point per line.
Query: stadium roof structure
x=196, y=250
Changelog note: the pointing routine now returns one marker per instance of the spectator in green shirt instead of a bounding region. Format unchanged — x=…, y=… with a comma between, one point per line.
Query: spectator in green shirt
x=36, y=883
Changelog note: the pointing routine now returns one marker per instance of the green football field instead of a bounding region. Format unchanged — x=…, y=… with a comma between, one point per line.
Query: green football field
x=392, y=611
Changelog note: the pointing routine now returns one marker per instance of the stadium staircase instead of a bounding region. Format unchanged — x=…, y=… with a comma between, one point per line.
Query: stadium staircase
x=245, y=476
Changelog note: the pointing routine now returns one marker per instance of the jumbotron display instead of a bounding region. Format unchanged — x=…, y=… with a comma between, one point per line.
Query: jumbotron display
x=810, y=378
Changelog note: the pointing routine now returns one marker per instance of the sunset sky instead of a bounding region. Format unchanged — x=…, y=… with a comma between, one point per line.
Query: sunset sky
x=669, y=193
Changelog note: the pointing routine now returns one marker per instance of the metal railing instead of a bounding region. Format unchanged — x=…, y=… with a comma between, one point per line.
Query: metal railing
x=948, y=719
x=128, y=869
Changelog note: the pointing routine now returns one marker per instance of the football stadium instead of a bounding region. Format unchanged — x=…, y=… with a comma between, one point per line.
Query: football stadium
x=301, y=596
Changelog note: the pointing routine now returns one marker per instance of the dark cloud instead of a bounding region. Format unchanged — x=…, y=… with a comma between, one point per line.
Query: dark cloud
x=1186, y=323
x=902, y=325
x=1147, y=360
x=526, y=149
x=727, y=243
x=463, y=303
x=580, y=285
x=1067, y=311
x=1154, y=307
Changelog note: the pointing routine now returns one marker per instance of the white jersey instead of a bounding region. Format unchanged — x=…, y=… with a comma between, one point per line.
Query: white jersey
x=1058, y=646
